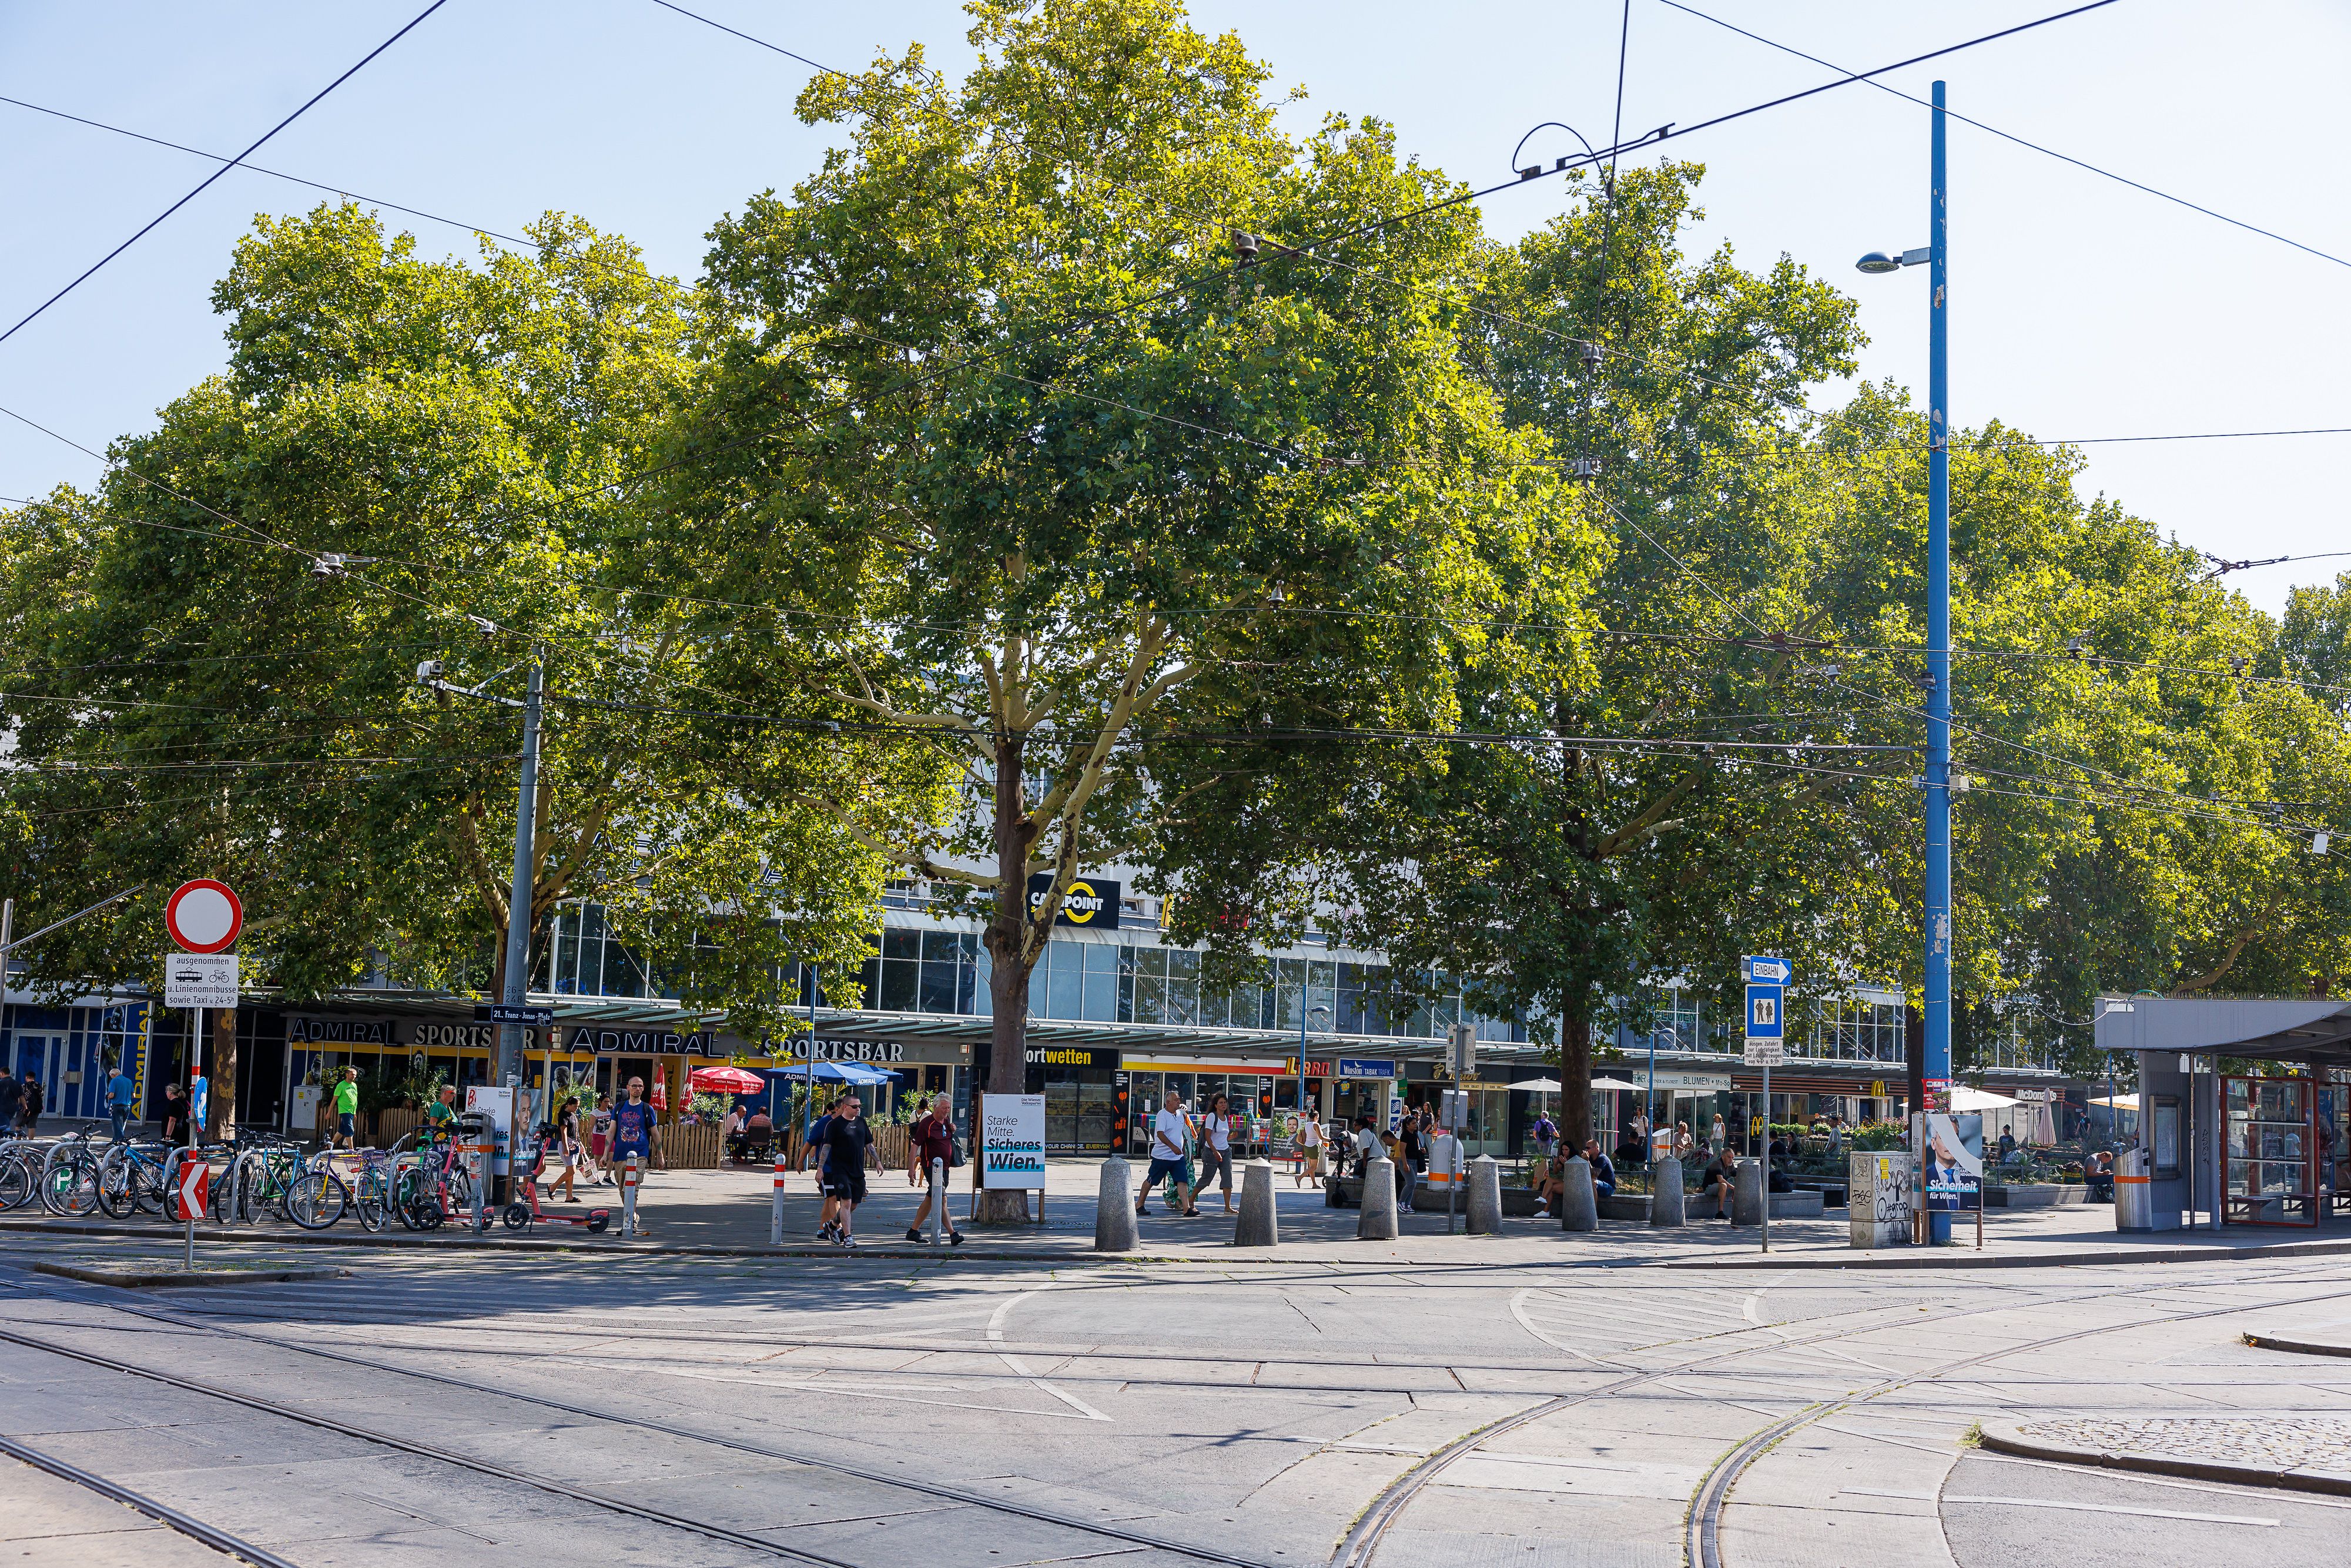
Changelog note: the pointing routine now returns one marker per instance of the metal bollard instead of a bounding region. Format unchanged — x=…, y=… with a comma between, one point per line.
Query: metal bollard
x=631, y=1175
x=938, y=1202
x=776, y=1215
x=478, y=1161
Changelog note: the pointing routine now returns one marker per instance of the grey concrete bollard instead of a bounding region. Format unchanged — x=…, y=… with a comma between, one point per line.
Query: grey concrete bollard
x=1376, y=1221
x=1485, y=1198
x=1579, y=1205
x=1666, y=1197
x=1747, y=1194
x=1114, y=1229
x=1255, y=1226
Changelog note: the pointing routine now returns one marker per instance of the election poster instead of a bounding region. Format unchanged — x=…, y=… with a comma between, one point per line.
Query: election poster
x=1954, y=1163
x=1012, y=1142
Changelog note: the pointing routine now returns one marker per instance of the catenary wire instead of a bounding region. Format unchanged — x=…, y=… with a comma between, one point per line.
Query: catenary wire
x=206, y=182
x=2021, y=141
x=274, y=173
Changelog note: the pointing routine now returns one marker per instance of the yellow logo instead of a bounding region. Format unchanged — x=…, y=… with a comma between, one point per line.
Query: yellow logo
x=1081, y=903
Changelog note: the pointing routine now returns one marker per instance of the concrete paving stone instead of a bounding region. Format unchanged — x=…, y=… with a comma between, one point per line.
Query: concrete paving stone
x=955, y=1537
x=609, y=1539
x=1595, y=1537
x=46, y=1519
x=327, y=1497
x=1578, y=1478
x=237, y=1439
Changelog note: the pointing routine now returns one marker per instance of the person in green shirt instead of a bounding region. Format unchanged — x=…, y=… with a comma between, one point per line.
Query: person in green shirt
x=442, y=1115
x=347, y=1109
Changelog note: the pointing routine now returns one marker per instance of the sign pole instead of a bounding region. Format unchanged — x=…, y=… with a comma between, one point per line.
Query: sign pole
x=1766, y=1195
x=195, y=1066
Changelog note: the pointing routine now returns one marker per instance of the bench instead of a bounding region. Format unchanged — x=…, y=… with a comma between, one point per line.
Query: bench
x=2033, y=1195
x=1831, y=1188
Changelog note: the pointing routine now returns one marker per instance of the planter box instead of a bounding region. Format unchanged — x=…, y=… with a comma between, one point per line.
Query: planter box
x=2034, y=1195
x=1798, y=1204
x=1632, y=1205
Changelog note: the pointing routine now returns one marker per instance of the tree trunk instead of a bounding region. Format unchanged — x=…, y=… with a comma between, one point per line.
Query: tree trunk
x=220, y=1066
x=1575, y=1075
x=1005, y=1069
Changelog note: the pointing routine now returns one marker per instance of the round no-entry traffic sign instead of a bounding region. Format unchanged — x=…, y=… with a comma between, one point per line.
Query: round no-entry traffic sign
x=204, y=916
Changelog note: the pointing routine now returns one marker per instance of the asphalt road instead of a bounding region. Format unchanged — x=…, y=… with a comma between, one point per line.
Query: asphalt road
x=862, y=1412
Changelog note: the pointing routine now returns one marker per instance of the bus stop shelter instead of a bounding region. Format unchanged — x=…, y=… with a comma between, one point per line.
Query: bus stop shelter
x=2244, y=1105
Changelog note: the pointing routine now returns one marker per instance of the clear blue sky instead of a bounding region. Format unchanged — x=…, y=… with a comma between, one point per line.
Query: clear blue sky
x=2080, y=307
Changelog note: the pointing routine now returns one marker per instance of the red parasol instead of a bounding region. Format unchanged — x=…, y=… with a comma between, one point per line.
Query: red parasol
x=727, y=1081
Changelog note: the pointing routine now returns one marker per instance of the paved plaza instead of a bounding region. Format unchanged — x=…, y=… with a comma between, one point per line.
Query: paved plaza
x=1441, y=1402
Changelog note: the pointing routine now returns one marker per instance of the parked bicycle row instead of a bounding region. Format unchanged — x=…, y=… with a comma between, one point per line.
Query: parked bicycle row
x=422, y=1182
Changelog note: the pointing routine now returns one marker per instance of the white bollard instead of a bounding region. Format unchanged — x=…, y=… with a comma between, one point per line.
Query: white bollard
x=938, y=1202
x=776, y=1214
x=478, y=1161
x=632, y=1175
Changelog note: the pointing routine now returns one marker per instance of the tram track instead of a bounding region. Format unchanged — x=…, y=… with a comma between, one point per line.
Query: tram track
x=186, y=1523
x=1702, y=1527
x=1094, y=1528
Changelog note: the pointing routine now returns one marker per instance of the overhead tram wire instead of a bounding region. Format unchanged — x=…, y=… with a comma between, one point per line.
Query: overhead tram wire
x=205, y=184
x=222, y=158
x=2084, y=768
x=2021, y=141
x=1225, y=273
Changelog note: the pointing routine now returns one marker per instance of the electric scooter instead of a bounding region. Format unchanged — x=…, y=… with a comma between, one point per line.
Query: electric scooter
x=525, y=1212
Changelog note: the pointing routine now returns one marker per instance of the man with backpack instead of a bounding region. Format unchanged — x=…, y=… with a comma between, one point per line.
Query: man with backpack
x=932, y=1138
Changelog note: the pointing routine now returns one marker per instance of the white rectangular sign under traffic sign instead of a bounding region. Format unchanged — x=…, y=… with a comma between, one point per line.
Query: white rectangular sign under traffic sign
x=199, y=980
x=1766, y=1052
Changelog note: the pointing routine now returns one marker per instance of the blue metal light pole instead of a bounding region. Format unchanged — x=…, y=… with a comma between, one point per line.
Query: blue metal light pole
x=1936, y=254
x=1938, y=644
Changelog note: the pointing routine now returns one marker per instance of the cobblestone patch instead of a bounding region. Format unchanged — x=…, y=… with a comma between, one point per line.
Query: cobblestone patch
x=2279, y=1443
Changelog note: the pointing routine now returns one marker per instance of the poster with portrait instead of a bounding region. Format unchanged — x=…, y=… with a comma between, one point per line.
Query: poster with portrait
x=1954, y=1163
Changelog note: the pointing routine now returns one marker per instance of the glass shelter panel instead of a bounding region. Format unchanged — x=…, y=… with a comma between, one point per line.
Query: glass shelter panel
x=2272, y=1166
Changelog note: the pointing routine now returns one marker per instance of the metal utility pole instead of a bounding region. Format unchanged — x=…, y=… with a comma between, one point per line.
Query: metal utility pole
x=518, y=901
x=1936, y=254
x=1938, y=643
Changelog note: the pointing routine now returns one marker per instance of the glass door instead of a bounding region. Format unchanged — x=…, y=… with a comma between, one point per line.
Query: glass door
x=2272, y=1151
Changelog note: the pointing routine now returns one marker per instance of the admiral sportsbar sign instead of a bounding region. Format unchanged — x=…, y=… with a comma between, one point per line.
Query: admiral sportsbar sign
x=639, y=1042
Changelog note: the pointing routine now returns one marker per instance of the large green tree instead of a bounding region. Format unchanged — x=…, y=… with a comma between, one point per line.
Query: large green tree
x=1000, y=424
x=212, y=657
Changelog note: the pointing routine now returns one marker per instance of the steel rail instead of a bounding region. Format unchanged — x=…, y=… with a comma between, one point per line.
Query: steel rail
x=187, y=1524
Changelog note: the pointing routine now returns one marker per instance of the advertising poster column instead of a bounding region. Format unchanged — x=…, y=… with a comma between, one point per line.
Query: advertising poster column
x=1954, y=1181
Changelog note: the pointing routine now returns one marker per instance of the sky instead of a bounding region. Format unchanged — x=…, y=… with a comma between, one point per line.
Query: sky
x=2080, y=309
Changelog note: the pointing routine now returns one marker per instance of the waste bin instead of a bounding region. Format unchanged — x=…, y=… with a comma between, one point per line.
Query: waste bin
x=2134, y=1192
x=1878, y=1198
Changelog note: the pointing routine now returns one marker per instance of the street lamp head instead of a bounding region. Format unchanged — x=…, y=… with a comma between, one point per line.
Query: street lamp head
x=428, y=672
x=1879, y=261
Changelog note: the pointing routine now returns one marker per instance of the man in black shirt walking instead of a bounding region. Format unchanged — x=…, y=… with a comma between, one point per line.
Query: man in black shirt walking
x=12, y=1095
x=845, y=1143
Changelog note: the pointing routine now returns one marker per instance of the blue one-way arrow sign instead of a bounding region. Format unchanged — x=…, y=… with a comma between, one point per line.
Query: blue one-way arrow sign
x=1771, y=971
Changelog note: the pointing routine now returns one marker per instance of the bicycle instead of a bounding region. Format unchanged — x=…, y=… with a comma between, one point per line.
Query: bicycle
x=68, y=1181
x=134, y=1178
x=20, y=1171
x=261, y=1176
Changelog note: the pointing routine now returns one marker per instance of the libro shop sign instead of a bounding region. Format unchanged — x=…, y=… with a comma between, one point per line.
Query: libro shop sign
x=1091, y=902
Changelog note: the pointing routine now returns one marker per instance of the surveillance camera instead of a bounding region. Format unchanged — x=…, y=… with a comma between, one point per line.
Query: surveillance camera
x=428, y=672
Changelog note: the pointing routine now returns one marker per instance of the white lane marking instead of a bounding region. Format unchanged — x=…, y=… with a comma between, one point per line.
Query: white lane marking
x=2068, y=1507
x=2304, y=1499
x=1519, y=1310
x=809, y=1385
x=995, y=1321
x=1750, y=1308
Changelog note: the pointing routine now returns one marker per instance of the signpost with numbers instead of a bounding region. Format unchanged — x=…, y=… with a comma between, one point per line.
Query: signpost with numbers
x=1766, y=1047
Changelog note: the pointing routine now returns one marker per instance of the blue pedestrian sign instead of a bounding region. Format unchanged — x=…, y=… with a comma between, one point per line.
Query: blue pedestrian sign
x=1763, y=1013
